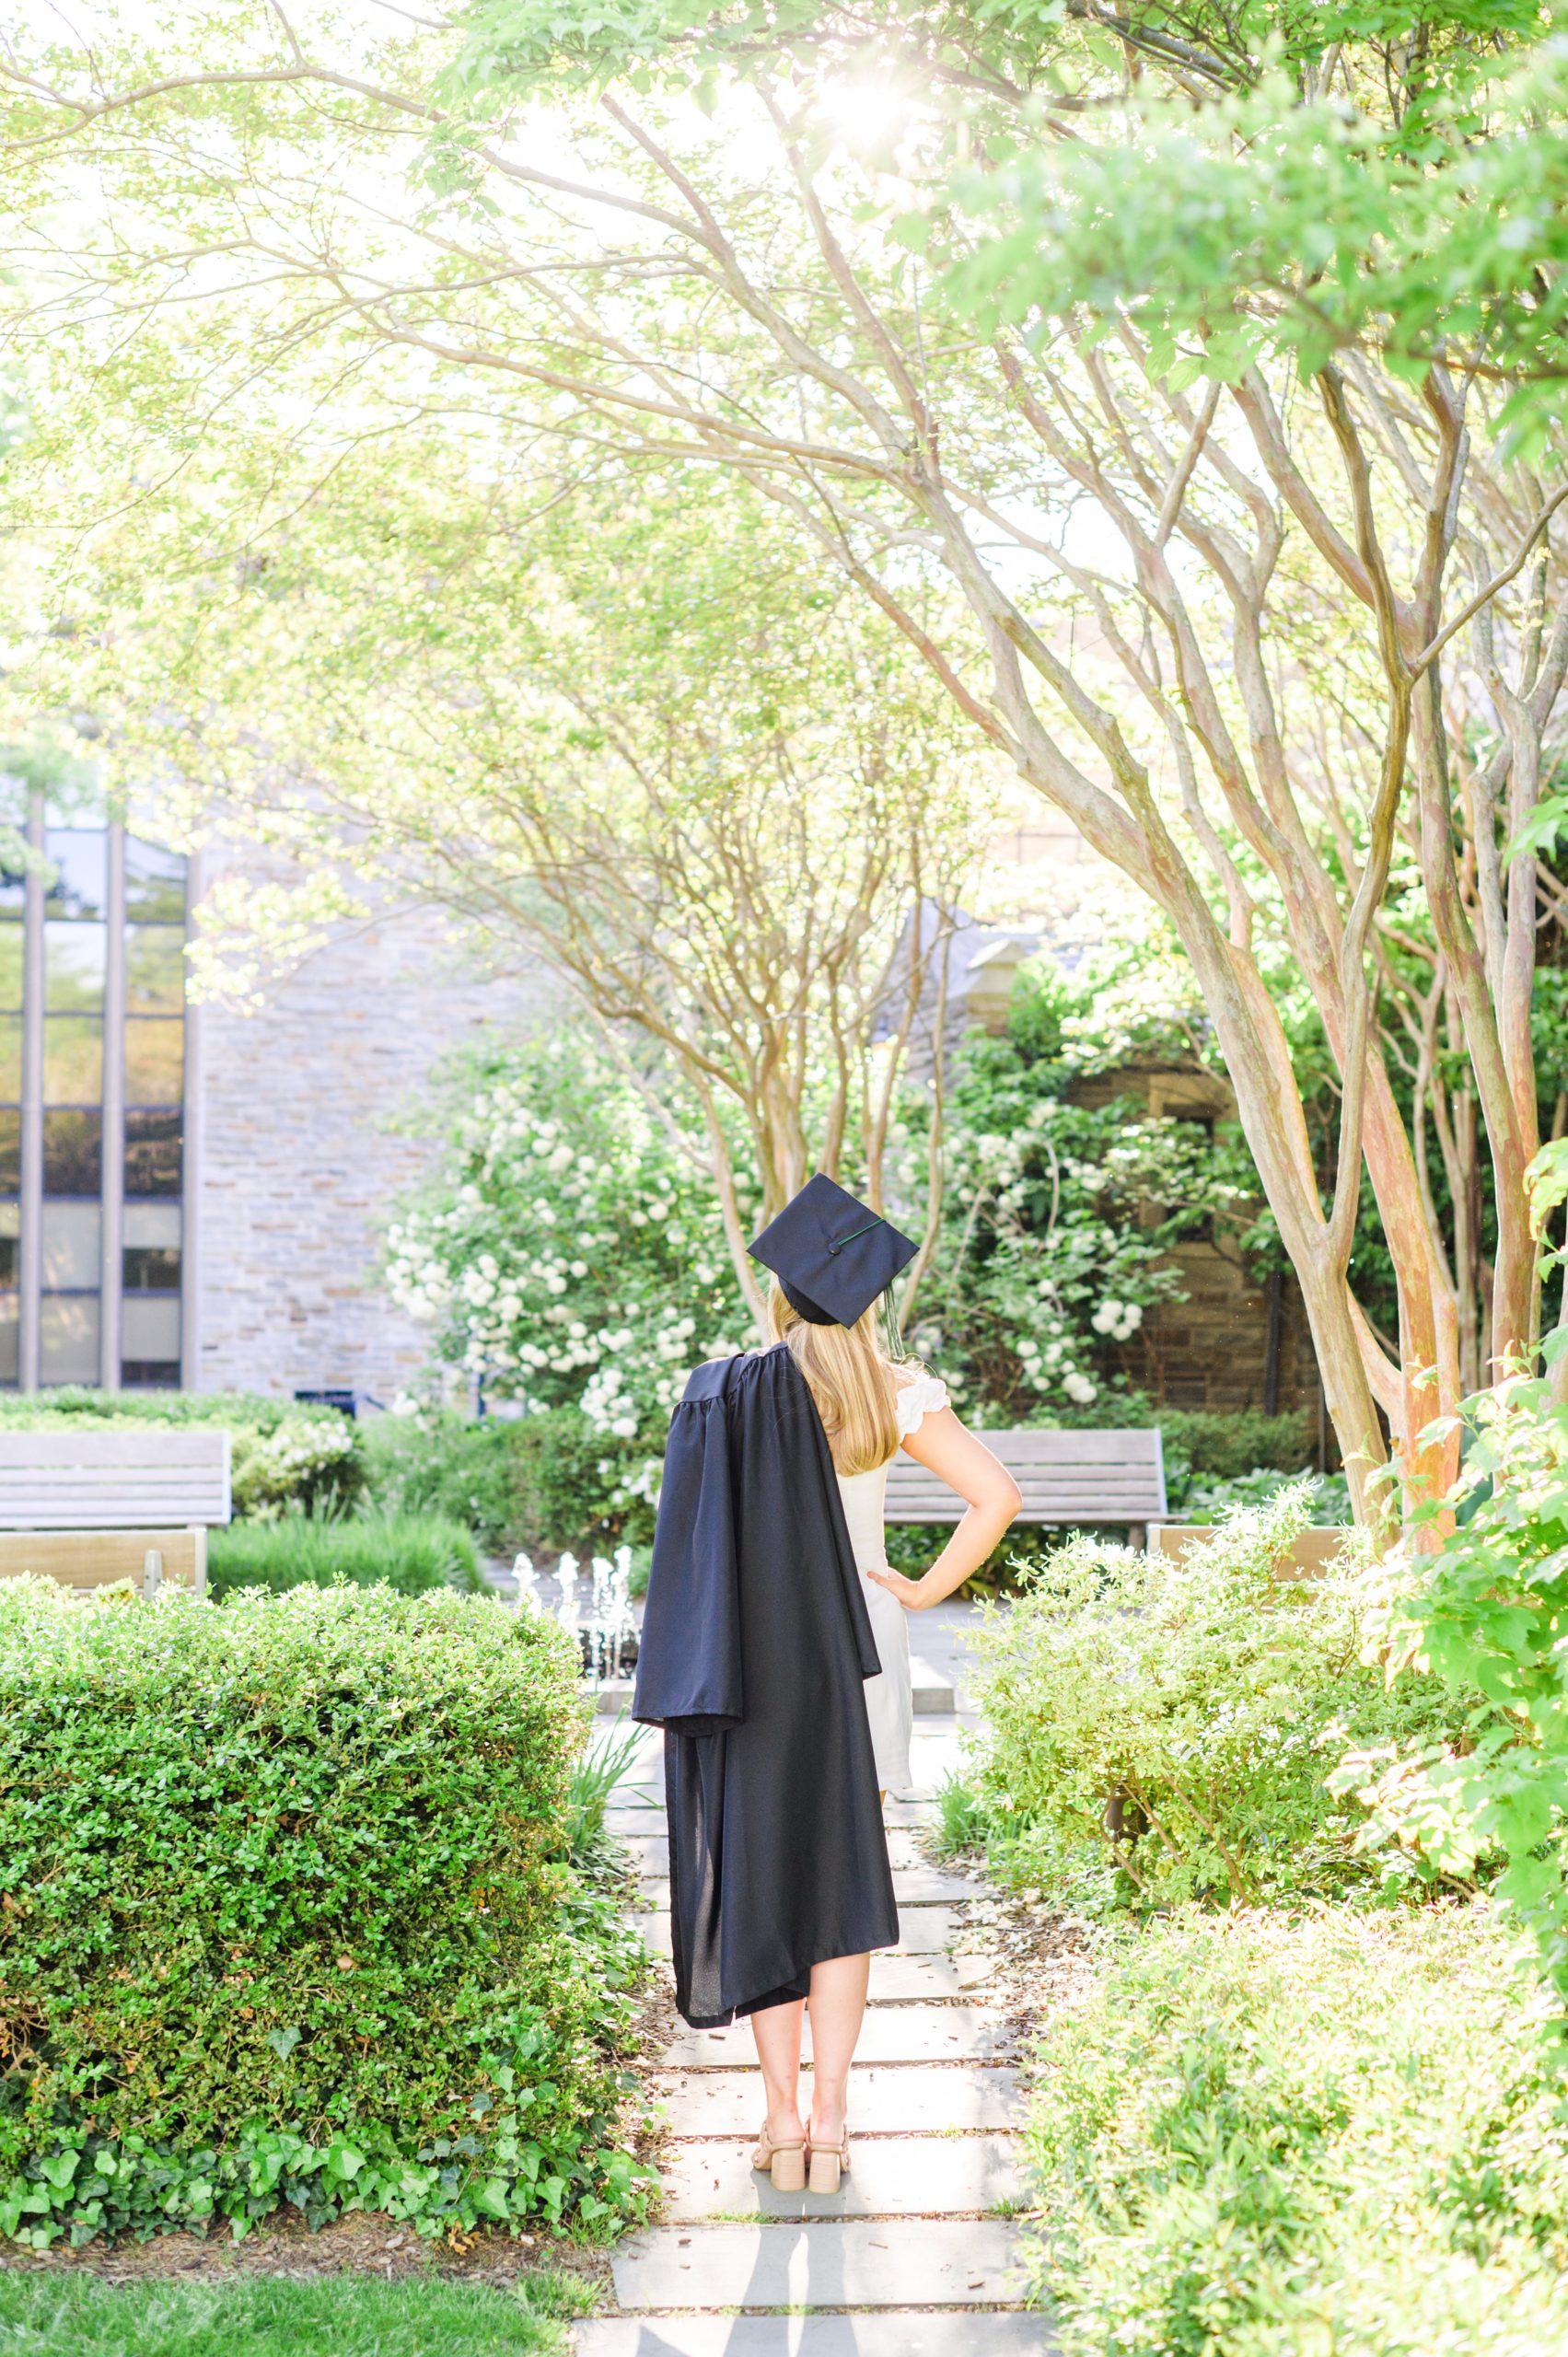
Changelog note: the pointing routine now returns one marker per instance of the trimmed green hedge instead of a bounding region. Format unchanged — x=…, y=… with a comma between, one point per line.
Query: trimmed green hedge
x=285, y=1452
x=285, y=1917
x=543, y=1482
x=1225, y=1447
x=410, y=1553
x=443, y=1463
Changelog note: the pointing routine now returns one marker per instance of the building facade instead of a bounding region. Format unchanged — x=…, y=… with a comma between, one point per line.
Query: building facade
x=194, y=1196
x=190, y=1195
x=307, y=1123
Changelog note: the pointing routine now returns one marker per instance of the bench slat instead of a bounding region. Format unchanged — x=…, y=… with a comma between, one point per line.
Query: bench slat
x=85, y=1480
x=149, y=1445
x=1063, y=1477
x=1027, y=1446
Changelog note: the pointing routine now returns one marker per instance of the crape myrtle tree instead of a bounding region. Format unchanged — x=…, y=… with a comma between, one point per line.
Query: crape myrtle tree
x=668, y=753
x=1207, y=359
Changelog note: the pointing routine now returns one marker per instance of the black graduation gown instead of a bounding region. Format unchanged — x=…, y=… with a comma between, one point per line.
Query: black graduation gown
x=755, y=1648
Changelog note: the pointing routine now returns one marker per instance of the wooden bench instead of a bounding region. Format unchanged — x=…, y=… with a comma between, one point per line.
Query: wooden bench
x=92, y=1506
x=1076, y=1478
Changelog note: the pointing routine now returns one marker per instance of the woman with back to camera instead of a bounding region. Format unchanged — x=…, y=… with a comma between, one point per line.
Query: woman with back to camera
x=776, y=1656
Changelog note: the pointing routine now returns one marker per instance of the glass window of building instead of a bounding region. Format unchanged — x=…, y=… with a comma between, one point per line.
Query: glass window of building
x=14, y=818
x=92, y=1088
x=154, y=1138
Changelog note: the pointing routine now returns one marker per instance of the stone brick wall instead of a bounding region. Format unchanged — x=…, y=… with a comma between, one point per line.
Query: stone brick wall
x=1210, y=1351
x=301, y=1133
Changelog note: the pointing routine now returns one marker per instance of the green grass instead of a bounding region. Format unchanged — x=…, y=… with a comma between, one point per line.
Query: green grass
x=265, y=2316
x=605, y=1765
x=961, y=1819
x=412, y=1552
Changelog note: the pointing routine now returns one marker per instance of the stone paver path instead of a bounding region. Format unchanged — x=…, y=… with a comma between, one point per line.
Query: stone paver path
x=915, y=2255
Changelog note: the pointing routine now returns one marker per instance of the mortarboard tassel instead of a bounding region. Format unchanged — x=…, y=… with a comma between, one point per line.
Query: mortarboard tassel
x=896, y=1350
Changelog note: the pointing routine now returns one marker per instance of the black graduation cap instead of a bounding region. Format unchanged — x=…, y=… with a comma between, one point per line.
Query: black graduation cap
x=831, y=1253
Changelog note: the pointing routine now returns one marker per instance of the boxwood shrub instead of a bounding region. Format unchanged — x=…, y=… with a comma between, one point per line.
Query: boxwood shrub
x=285, y=1917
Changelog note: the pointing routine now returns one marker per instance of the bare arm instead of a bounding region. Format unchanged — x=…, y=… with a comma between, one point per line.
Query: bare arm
x=958, y=1457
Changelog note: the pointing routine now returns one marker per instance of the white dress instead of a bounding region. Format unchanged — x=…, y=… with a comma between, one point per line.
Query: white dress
x=889, y=1705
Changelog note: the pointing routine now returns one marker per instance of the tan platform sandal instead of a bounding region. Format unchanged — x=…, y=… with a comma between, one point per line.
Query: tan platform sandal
x=829, y=2163
x=784, y=2163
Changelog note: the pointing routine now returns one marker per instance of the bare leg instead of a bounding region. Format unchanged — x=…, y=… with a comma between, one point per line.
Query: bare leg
x=838, y=2003
x=777, y=2032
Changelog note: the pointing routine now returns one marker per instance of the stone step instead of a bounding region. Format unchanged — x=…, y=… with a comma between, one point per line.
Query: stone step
x=625, y=1817
x=653, y=1931
x=612, y=1698
x=639, y=1812
x=889, y=2176
x=648, y=1845
x=936, y=1753
x=919, y=1885
x=858, y=2263
x=922, y=1931
x=887, y=2332
x=931, y=1691
x=898, y=1979
x=930, y=1931
x=886, y=2099
x=889, y=2034
x=913, y=1887
x=925, y=1932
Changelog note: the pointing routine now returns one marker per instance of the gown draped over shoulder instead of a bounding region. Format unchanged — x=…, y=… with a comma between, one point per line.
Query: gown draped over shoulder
x=757, y=1643
x=890, y=1704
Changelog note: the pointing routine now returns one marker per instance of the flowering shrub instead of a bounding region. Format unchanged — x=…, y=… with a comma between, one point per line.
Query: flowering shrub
x=301, y=1457
x=1058, y=1222
x=1289, y=2131
x=574, y=1257
x=1159, y=1729
x=1042, y=1255
x=572, y=1254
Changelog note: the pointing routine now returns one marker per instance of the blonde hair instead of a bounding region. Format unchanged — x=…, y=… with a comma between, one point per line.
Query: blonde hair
x=850, y=1378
